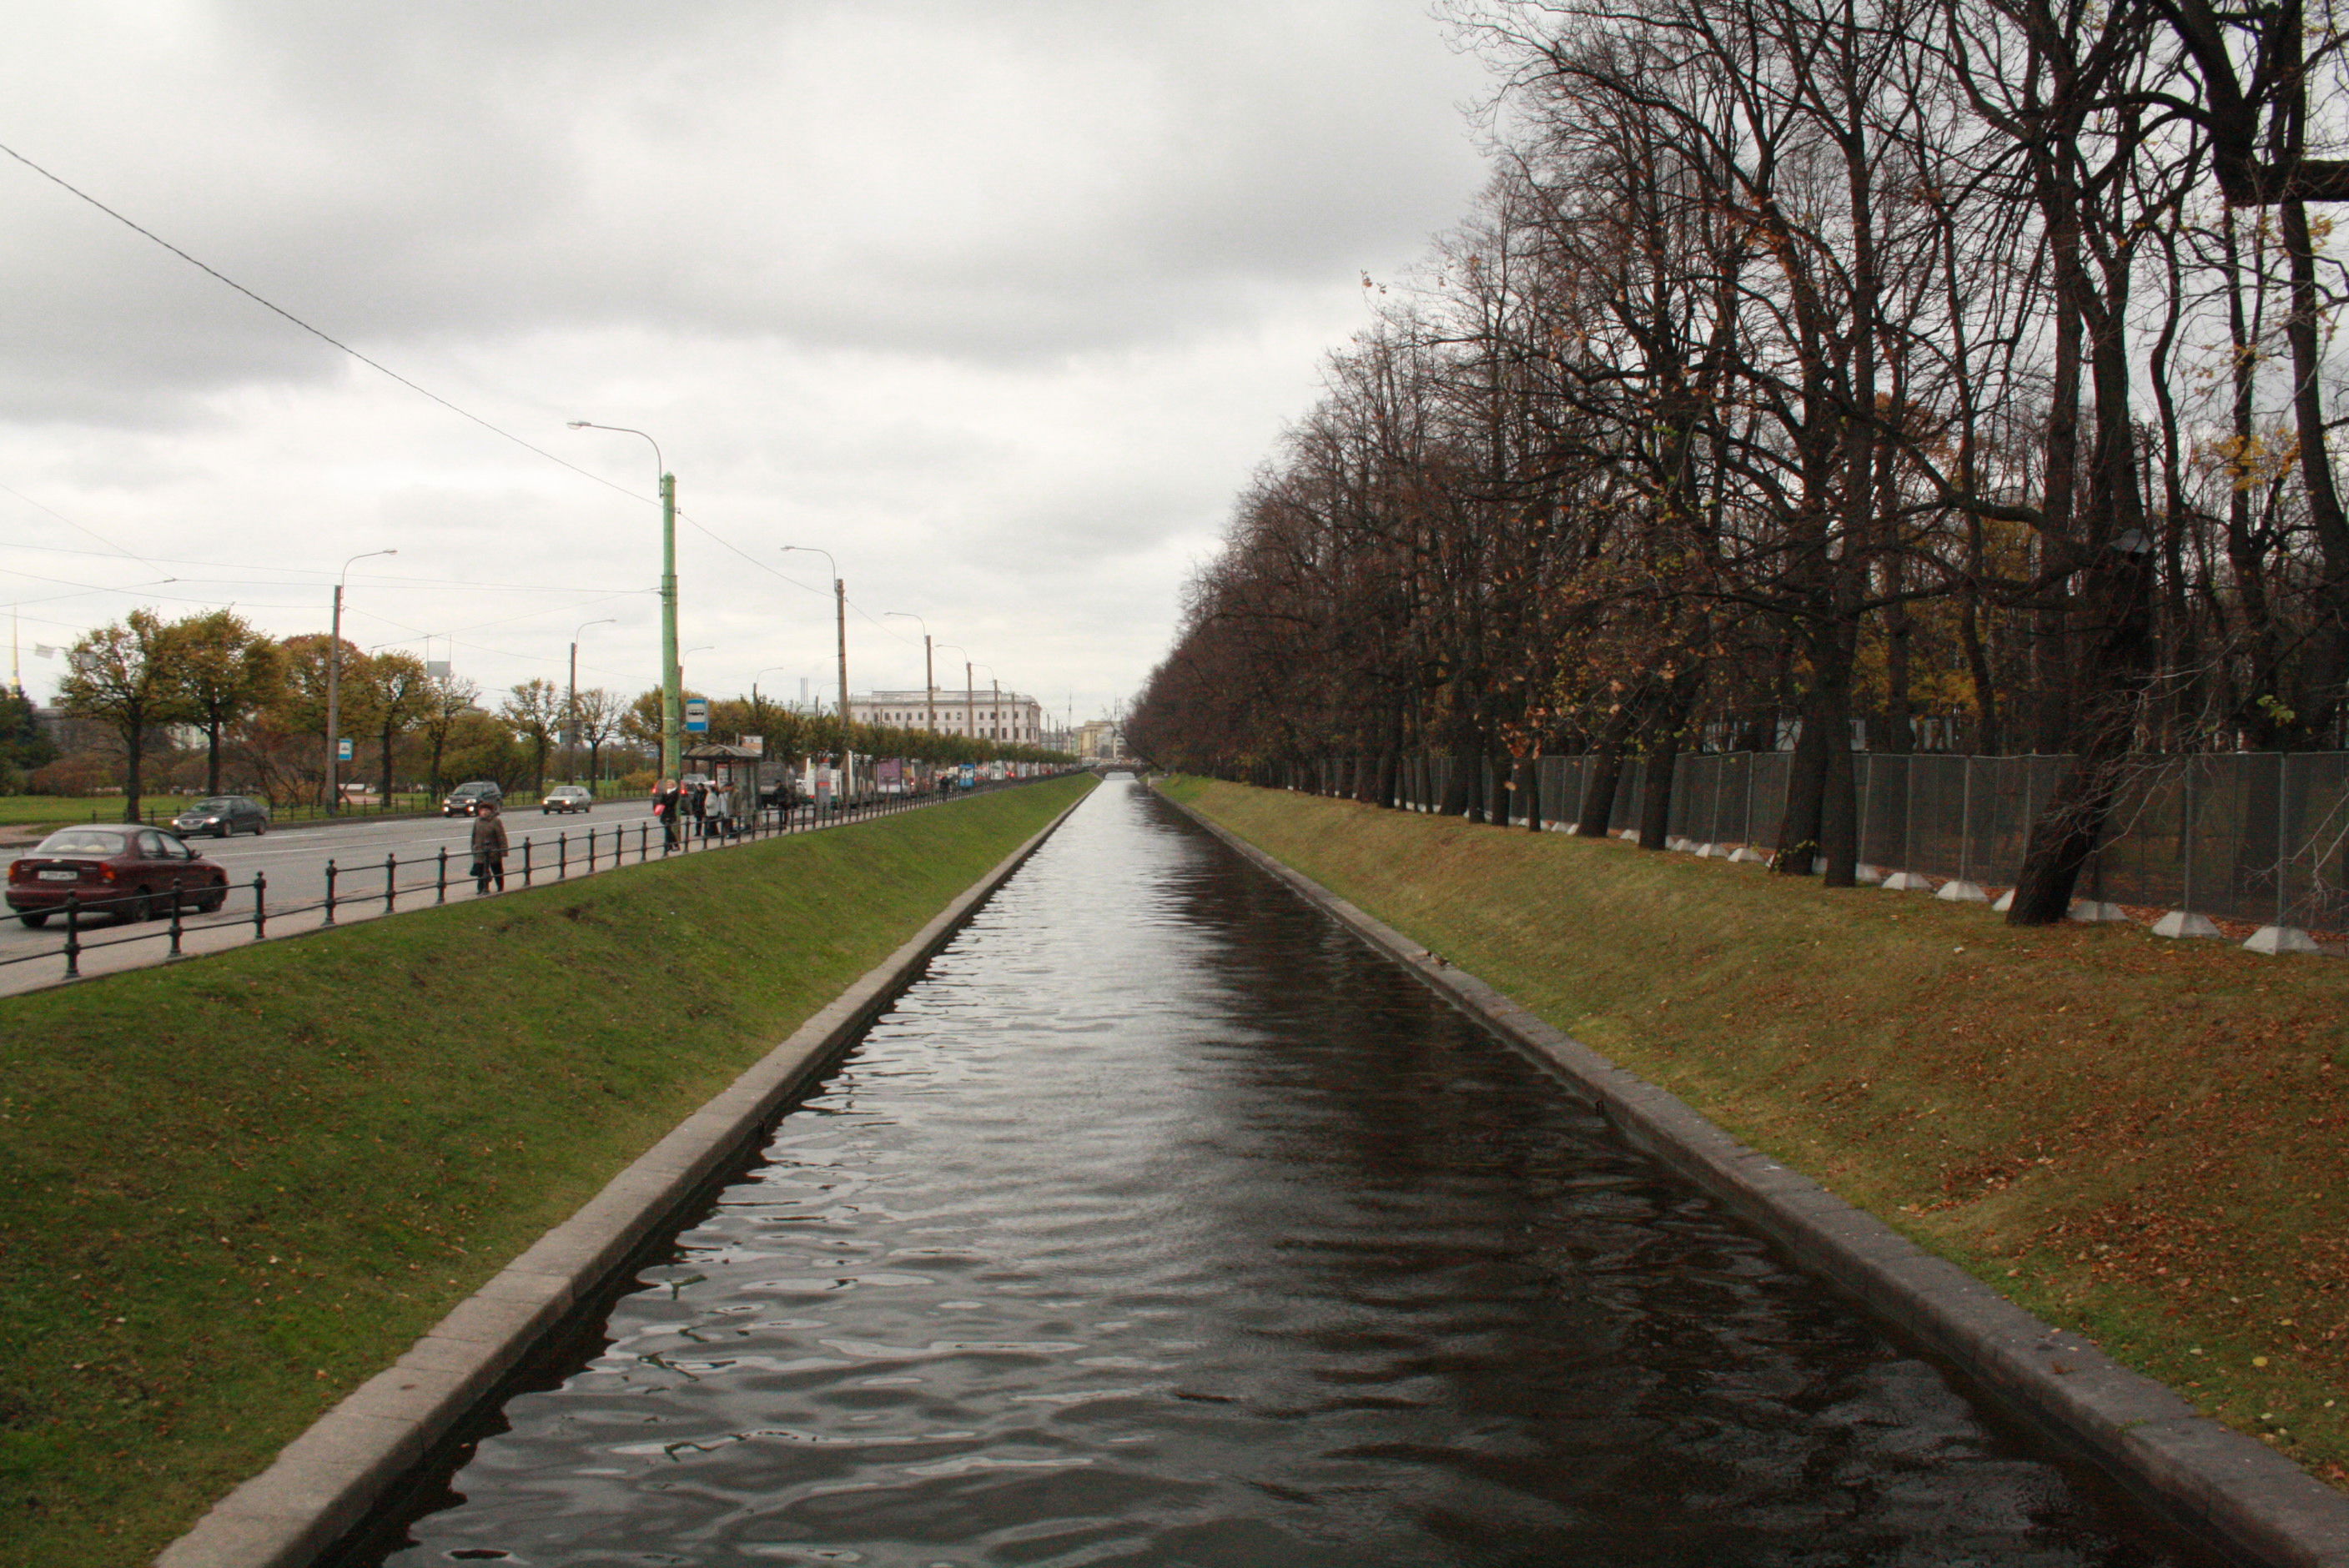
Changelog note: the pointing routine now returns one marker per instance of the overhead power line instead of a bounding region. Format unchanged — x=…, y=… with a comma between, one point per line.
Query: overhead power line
x=325, y=337
x=377, y=365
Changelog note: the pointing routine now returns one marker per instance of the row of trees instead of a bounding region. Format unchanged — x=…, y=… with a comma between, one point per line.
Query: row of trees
x=260, y=705
x=1813, y=367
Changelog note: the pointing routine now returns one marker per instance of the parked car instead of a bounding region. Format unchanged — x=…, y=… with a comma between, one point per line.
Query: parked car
x=128, y=872
x=221, y=815
x=467, y=800
x=567, y=797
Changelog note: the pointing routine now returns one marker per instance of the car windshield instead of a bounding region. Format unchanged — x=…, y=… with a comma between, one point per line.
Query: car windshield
x=217, y=803
x=474, y=789
x=80, y=842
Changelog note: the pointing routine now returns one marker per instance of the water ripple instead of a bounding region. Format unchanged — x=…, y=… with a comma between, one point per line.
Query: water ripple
x=1161, y=1223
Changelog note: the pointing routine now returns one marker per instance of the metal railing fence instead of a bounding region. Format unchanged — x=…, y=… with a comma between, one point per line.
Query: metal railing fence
x=373, y=886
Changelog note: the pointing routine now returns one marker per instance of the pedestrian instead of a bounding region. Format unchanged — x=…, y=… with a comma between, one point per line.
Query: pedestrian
x=700, y=806
x=488, y=848
x=721, y=808
x=668, y=807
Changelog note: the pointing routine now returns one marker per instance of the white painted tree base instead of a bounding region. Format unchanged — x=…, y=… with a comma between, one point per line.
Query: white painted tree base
x=1908, y=882
x=2277, y=939
x=1961, y=892
x=2185, y=922
x=2089, y=912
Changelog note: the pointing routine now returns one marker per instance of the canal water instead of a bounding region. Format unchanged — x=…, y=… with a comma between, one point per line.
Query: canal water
x=1163, y=1223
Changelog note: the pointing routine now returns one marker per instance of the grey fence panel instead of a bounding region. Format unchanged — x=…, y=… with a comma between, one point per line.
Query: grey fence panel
x=1552, y=772
x=1630, y=789
x=1771, y=771
x=2259, y=837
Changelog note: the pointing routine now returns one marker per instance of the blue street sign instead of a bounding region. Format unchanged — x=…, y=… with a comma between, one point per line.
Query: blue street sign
x=697, y=715
x=342, y=752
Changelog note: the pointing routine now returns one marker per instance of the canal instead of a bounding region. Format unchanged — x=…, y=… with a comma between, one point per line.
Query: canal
x=1162, y=1223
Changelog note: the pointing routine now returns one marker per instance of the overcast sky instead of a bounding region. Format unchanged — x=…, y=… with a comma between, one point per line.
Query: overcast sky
x=999, y=302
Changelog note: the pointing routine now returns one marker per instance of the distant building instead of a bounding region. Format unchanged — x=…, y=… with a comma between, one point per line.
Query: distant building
x=984, y=715
x=1100, y=740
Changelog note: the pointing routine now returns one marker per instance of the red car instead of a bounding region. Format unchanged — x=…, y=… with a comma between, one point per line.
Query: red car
x=128, y=872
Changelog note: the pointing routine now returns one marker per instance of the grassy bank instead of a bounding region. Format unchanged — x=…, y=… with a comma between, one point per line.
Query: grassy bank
x=231, y=1191
x=2137, y=1138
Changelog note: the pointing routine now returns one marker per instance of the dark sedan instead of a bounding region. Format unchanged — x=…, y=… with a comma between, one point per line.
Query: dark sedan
x=221, y=815
x=467, y=800
x=131, y=873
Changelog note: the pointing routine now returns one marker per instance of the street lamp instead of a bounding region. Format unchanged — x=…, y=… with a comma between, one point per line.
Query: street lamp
x=334, y=688
x=997, y=712
x=929, y=681
x=840, y=606
x=670, y=680
x=571, y=741
x=970, y=693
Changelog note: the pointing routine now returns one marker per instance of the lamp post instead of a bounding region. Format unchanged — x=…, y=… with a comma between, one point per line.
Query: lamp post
x=969, y=692
x=929, y=681
x=671, y=696
x=334, y=688
x=571, y=741
x=840, y=607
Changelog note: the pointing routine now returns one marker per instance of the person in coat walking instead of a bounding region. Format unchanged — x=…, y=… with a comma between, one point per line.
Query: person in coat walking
x=669, y=803
x=488, y=848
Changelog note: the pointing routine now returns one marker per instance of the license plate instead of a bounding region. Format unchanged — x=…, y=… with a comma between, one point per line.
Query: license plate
x=60, y=876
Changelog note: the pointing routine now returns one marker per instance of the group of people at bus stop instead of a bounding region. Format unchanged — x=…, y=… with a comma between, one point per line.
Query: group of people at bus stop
x=709, y=806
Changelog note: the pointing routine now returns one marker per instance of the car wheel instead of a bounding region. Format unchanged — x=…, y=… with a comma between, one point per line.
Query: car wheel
x=36, y=918
x=211, y=904
x=222, y=831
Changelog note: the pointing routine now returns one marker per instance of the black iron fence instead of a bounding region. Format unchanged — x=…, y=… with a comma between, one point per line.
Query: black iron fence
x=2257, y=837
x=379, y=886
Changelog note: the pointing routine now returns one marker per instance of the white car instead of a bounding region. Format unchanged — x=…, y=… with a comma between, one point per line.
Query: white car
x=567, y=797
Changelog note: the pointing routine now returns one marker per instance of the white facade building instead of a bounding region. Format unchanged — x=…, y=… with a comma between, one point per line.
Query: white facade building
x=983, y=714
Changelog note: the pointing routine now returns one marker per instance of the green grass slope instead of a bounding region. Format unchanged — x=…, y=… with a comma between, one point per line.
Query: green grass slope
x=232, y=1191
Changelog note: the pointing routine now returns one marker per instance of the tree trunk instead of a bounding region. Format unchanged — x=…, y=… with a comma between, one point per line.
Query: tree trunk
x=134, y=759
x=1656, y=798
x=2071, y=825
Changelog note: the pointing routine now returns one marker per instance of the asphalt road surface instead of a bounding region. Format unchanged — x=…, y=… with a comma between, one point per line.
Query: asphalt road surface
x=295, y=860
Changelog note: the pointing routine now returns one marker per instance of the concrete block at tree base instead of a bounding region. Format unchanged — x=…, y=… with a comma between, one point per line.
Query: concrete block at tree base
x=2005, y=902
x=1746, y=854
x=1908, y=882
x=2185, y=922
x=1961, y=892
x=2092, y=911
x=1710, y=852
x=1681, y=846
x=1630, y=833
x=2281, y=939
x=1867, y=875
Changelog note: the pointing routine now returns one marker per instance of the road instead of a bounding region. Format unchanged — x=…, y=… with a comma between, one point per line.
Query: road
x=295, y=862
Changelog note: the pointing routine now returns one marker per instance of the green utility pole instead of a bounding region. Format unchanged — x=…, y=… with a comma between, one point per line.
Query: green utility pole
x=672, y=694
